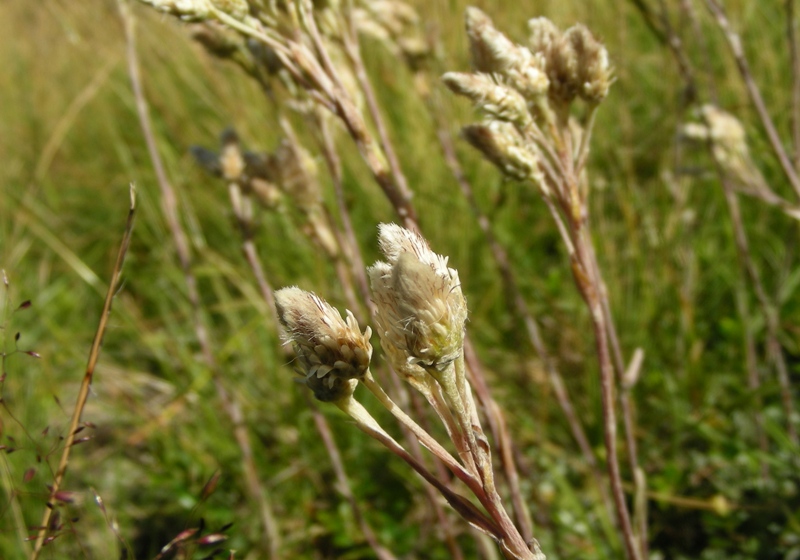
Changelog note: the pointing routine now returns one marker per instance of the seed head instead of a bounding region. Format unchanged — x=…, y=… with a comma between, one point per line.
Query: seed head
x=594, y=70
x=421, y=311
x=502, y=144
x=497, y=100
x=491, y=50
x=543, y=34
x=190, y=10
x=332, y=354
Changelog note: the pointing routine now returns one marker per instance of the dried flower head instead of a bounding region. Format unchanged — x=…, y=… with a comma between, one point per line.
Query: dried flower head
x=497, y=100
x=542, y=35
x=594, y=70
x=491, y=50
x=190, y=10
x=421, y=311
x=332, y=354
x=198, y=10
x=502, y=144
x=728, y=141
x=562, y=69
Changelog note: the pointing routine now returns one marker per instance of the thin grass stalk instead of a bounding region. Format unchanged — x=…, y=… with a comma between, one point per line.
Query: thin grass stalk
x=8, y=479
x=270, y=536
x=372, y=152
x=16, y=509
x=794, y=58
x=589, y=285
x=774, y=349
x=664, y=32
x=735, y=45
x=444, y=522
x=353, y=50
x=626, y=408
x=349, y=240
x=368, y=425
x=238, y=203
x=83, y=393
x=339, y=260
x=628, y=380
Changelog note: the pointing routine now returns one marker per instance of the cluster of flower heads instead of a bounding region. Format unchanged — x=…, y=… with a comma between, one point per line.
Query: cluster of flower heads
x=420, y=313
x=517, y=86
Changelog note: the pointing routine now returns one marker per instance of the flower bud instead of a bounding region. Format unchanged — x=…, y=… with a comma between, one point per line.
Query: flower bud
x=421, y=311
x=501, y=144
x=331, y=351
x=495, y=99
x=543, y=34
x=593, y=68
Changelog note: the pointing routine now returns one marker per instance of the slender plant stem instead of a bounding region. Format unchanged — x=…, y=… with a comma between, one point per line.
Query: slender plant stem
x=735, y=44
x=86, y=383
x=270, y=535
x=368, y=425
x=424, y=437
x=794, y=58
x=774, y=350
x=353, y=50
x=589, y=284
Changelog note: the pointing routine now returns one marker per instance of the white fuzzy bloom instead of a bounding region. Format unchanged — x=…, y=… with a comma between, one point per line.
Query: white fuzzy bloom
x=421, y=311
x=502, y=144
x=594, y=69
x=331, y=351
x=543, y=34
x=491, y=50
x=497, y=100
x=192, y=10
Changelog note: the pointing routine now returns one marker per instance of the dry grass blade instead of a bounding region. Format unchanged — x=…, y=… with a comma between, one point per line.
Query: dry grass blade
x=83, y=393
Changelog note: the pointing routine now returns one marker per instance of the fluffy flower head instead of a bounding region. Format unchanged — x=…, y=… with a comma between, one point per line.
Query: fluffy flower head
x=421, y=310
x=332, y=354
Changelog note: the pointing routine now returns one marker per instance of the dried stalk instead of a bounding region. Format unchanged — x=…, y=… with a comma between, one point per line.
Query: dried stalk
x=83, y=393
x=774, y=350
x=270, y=536
x=735, y=45
x=590, y=286
x=629, y=378
x=794, y=58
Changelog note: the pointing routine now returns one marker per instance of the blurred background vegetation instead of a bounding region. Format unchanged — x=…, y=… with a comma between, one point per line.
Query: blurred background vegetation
x=70, y=144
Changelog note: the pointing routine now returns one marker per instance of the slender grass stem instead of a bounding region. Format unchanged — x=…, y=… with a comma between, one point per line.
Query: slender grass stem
x=83, y=392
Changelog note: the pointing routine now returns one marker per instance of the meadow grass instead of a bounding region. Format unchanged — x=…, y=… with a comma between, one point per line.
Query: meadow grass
x=71, y=143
